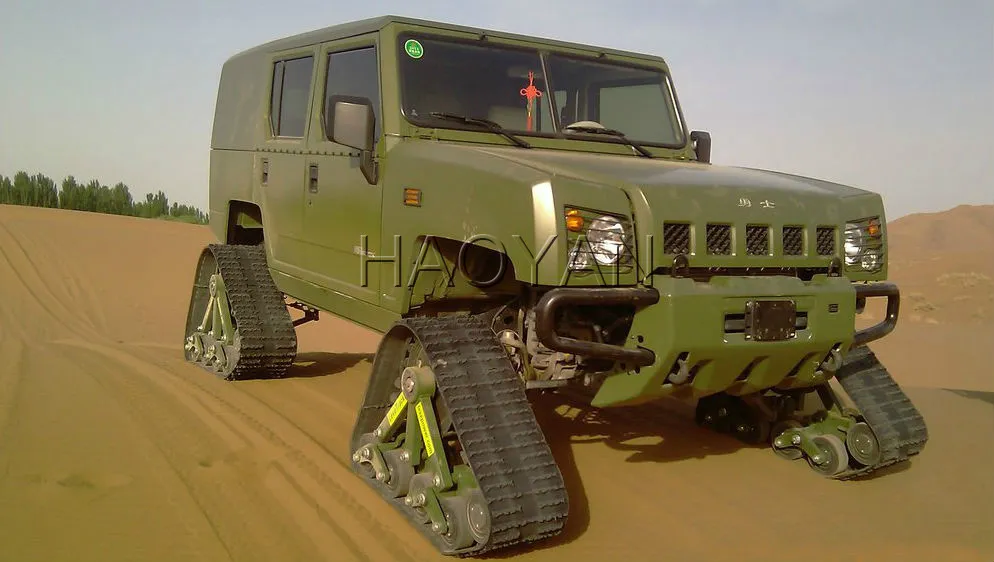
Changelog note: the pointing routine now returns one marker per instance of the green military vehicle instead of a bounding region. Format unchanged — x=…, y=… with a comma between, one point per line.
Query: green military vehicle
x=516, y=213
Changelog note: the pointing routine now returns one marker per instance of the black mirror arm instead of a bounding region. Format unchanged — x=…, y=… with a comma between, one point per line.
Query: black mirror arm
x=702, y=145
x=369, y=166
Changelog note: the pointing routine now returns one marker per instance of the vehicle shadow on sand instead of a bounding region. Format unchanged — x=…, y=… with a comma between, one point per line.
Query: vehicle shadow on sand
x=661, y=432
x=322, y=363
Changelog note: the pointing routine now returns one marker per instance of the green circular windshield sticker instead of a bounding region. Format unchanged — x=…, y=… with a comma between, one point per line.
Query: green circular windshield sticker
x=414, y=48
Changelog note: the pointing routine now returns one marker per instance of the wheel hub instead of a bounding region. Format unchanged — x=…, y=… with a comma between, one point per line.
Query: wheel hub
x=478, y=516
x=862, y=444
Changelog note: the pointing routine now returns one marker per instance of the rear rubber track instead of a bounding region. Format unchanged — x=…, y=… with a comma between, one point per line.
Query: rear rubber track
x=496, y=427
x=899, y=426
x=267, y=343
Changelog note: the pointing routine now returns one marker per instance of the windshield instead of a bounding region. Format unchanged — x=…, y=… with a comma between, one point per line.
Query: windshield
x=509, y=87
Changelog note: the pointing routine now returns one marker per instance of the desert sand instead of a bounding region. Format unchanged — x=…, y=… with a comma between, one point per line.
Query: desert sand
x=113, y=448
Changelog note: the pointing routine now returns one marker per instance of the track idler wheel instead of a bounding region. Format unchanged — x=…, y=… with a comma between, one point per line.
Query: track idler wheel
x=468, y=519
x=862, y=444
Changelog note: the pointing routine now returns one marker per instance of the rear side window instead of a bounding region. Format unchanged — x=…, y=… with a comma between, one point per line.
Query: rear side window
x=291, y=91
x=355, y=73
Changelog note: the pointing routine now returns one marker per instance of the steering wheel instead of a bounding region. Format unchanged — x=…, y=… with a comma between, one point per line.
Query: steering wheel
x=584, y=124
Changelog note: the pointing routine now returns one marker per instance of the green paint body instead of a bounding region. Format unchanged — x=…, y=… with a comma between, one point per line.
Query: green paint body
x=355, y=249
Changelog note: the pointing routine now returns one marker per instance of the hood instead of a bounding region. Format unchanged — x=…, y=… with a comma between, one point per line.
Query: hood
x=690, y=189
x=736, y=202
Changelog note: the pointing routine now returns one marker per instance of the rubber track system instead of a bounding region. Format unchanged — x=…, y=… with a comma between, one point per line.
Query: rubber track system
x=496, y=427
x=268, y=340
x=899, y=427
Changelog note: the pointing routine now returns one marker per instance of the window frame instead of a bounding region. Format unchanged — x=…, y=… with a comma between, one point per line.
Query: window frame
x=274, y=112
x=346, y=46
x=431, y=123
x=591, y=97
x=543, y=53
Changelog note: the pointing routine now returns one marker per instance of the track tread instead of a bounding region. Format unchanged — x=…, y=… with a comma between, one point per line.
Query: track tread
x=899, y=426
x=494, y=422
x=268, y=339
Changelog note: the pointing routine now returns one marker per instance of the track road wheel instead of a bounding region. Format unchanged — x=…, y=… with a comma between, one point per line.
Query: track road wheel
x=416, y=497
x=862, y=444
x=832, y=458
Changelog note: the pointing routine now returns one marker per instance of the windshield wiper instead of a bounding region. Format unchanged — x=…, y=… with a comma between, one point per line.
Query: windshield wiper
x=613, y=133
x=486, y=123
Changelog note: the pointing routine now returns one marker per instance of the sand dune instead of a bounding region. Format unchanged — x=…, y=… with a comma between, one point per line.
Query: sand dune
x=113, y=448
x=945, y=264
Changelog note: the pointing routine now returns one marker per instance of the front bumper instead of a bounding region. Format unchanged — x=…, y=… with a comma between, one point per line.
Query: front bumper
x=693, y=339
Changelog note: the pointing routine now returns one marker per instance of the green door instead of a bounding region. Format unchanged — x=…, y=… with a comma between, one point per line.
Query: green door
x=278, y=165
x=340, y=205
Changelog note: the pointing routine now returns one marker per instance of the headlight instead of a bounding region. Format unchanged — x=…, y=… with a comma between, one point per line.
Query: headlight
x=597, y=239
x=864, y=246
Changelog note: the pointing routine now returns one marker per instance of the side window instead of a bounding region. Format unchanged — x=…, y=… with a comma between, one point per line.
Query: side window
x=291, y=90
x=355, y=73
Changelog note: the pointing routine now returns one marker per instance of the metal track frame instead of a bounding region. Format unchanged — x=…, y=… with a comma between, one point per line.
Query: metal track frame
x=236, y=307
x=504, y=456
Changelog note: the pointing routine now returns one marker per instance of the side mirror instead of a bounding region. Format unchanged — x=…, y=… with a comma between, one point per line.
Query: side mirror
x=350, y=120
x=702, y=145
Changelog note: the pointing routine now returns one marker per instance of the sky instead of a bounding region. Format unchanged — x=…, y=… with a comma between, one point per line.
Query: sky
x=894, y=96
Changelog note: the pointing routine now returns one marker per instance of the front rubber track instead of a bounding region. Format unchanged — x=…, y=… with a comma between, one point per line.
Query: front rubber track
x=899, y=426
x=494, y=422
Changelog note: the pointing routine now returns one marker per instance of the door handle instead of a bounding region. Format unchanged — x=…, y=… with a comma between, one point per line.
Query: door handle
x=265, y=171
x=312, y=182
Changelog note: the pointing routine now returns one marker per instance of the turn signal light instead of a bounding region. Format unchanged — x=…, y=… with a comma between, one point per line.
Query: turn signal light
x=574, y=222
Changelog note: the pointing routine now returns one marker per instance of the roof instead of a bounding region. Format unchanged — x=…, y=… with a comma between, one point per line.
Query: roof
x=372, y=25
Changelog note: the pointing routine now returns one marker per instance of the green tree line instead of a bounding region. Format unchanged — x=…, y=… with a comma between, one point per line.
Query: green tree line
x=39, y=190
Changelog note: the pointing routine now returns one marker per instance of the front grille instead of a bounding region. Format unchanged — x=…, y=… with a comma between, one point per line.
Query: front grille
x=676, y=238
x=719, y=239
x=826, y=240
x=757, y=240
x=793, y=240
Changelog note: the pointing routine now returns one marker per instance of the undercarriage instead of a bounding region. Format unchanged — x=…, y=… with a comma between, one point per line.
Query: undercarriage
x=446, y=433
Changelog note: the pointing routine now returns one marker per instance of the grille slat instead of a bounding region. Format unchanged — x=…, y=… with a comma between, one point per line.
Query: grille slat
x=719, y=237
x=757, y=240
x=676, y=238
x=826, y=240
x=793, y=240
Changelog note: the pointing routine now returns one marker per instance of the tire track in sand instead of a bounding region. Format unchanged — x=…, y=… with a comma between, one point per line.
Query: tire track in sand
x=301, y=464
x=11, y=359
x=319, y=502
x=140, y=402
x=11, y=250
x=76, y=290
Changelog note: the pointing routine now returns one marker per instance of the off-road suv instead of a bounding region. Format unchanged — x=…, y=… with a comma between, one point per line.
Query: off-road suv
x=517, y=213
